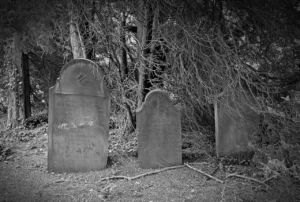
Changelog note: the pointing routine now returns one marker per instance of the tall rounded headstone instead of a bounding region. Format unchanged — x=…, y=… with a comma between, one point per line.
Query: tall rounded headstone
x=79, y=107
x=159, y=132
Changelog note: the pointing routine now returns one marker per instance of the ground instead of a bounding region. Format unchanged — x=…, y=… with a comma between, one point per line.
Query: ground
x=24, y=177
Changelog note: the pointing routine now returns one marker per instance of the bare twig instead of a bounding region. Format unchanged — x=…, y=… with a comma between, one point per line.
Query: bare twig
x=141, y=175
x=208, y=175
x=61, y=181
x=200, y=163
x=115, y=178
x=214, y=171
x=249, y=178
x=223, y=191
x=158, y=171
x=272, y=177
x=71, y=181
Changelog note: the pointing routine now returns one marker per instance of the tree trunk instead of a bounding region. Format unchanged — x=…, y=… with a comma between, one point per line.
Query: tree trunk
x=26, y=86
x=124, y=63
x=143, y=33
x=12, y=100
x=77, y=44
x=151, y=55
x=124, y=72
x=13, y=114
x=89, y=34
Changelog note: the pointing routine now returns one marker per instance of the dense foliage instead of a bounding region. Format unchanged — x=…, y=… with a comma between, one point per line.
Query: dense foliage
x=199, y=51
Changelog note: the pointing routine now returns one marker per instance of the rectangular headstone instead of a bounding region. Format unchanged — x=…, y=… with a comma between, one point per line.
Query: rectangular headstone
x=159, y=132
x=234, y=127
x=79, y=108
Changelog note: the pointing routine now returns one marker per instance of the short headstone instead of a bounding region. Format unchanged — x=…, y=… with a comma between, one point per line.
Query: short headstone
x=235, y=126
x=159, y=132
x=79, y=107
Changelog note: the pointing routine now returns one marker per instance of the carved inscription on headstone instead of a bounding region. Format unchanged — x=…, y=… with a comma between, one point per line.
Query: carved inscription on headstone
x=235, y=126
x=159, y=132
x=78, y=119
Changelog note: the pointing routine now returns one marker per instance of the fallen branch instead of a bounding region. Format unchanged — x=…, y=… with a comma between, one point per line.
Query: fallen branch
x=141, y=175
x=71, y=181
x=60, y=181
x=223, y=191
x=208, y=175
x=200, y=163
x=270, y=178
x=249, y=178
x=214, y=171
x=158, y=171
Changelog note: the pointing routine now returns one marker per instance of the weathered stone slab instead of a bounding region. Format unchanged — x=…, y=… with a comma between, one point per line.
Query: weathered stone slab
x=79, y=107
x=159, y=132
x=235, y=126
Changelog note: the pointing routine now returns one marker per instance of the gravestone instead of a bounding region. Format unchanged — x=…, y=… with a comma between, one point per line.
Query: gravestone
x=235, y=124
x=159, y=132
x=79, y=107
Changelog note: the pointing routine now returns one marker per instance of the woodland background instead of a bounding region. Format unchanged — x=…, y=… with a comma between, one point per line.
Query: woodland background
x=199, y=51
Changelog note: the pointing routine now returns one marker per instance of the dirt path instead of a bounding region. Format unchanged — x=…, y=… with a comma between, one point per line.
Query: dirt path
x=24, y=177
